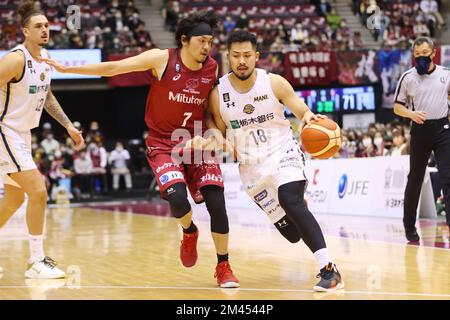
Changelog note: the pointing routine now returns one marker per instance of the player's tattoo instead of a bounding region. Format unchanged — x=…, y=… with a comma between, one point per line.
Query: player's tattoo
x=54, y=109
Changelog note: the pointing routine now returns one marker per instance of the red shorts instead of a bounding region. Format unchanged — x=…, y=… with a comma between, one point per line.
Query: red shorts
x=168, y=172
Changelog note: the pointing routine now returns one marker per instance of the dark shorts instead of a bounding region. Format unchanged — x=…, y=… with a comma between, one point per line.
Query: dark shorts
x=168, y=172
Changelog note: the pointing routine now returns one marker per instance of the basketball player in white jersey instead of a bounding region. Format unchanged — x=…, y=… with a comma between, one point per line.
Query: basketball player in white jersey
x=24, y=93
x=248, y=105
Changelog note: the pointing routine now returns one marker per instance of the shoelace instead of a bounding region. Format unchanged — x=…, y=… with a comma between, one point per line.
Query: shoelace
x=326, y=273
x=49, y=262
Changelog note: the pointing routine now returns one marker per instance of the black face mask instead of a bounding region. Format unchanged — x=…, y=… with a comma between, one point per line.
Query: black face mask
x=423, y=64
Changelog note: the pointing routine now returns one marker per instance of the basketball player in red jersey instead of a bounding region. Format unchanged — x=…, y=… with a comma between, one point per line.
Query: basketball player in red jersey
x=182, y=80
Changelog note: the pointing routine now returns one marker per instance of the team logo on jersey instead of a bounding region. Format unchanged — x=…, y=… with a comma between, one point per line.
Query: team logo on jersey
x=206, y=80
x=226, y=97
x=192, y=84
x=30, y=64
x=235, y=124
x=261, y=196
x=176, y=77
x=260, y=98
x=231, y=104
x=42, y=76
x=443, y=80
x=248, y=109
x=32, y=89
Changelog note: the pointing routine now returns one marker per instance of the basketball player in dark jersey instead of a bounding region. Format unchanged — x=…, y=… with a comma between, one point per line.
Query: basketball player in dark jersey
x=182, y=80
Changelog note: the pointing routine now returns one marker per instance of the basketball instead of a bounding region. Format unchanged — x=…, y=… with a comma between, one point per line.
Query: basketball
x=322, y=138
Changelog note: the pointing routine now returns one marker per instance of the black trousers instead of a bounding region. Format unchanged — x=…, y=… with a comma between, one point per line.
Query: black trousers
x=433, y=135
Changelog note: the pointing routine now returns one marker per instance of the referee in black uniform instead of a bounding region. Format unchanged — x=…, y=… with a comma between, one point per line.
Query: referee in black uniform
x=422, y=95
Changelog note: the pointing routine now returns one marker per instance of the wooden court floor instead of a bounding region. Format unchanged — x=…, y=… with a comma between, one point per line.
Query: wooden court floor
x=112, y=254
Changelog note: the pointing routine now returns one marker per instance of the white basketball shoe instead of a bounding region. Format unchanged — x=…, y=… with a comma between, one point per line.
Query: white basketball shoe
x=45, y=269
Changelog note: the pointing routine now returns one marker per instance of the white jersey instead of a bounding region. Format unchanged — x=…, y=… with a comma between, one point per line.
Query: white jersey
x=22, y=101
x=258, y=127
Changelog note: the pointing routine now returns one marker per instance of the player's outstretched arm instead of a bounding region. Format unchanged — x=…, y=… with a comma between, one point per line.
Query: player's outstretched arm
x=54, y=109
x=11, y=67
x=286, y=94
x=145, y=61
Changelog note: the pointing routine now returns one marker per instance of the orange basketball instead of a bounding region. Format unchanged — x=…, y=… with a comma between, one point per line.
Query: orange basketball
x=322, y=138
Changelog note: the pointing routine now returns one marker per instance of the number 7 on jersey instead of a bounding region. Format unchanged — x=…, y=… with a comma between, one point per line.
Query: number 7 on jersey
x=187, y=115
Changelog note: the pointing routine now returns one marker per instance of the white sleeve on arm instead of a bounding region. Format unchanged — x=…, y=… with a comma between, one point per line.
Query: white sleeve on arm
x=401, y=93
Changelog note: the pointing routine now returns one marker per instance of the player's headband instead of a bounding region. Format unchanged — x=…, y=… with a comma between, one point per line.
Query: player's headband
x=201, y=29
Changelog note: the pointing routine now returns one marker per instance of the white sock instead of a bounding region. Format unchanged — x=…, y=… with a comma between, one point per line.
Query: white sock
x=322, y=257
x=36, y=248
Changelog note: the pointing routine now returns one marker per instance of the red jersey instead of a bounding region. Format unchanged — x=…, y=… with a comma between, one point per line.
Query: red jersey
x=177, y=100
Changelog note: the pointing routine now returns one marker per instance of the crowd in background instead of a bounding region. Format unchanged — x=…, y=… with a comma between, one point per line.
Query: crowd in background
x=401, y=20
x=104, y=166
x=112, y=25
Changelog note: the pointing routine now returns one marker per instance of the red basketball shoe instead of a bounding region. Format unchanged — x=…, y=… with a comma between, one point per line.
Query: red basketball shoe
x=188, y=249
x=225, y=277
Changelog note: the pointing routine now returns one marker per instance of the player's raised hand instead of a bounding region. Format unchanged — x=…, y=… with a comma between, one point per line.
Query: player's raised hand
x=77, y=137
x=55, y=64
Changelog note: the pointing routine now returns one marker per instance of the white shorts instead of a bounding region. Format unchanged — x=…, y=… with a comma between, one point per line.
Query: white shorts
x=261, y=181
x=15, y=153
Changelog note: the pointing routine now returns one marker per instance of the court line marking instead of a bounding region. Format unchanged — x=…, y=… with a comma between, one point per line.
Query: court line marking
x=339, y=292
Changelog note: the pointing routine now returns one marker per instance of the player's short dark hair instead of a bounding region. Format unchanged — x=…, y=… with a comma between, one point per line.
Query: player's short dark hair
x=26, y=11
x=186, y=25
x=421, y=40
x=239, y=36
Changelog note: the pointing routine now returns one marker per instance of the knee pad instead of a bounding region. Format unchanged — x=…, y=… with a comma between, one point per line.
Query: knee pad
x=288, y=229
x=215, y=203
x=178, y=200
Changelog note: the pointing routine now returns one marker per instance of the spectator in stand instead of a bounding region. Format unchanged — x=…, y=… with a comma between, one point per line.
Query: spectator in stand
x=366, y=147
x=400, y=146
x=387, y=145
x=334, y=19
x=75, y=41
x=420, y=28
x=324, y=7
x=82, y=179
x=50, y=144
x=99, y=160
x=59, y=174
x=431, y=10
x=242, y=22
x=94, y=134
x=172, y=15
x=118, y=160
x=299, y=35
x=229, y=24
x=142, y=36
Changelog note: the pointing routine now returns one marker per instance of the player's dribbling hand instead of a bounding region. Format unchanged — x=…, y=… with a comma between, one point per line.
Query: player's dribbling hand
x=418, y=117
x=308, y=116
x=77, y=137
x=53, y=63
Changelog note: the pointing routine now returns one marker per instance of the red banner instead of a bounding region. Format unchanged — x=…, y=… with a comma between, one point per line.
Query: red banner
x=310, y=67
x=132, y=79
